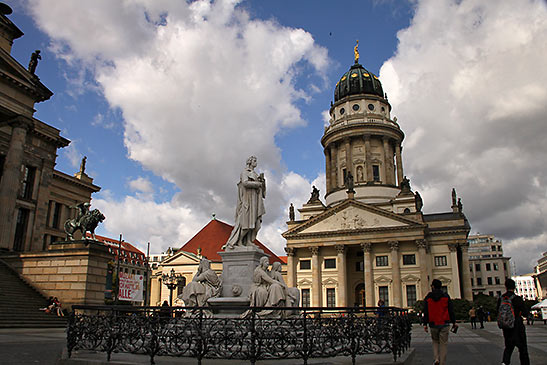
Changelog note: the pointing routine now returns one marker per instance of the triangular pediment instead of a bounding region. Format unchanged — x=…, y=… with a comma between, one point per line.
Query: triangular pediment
x=181, y=258
x=352, y=215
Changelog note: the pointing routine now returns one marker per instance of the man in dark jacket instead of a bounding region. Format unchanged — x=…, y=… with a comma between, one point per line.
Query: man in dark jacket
x=438, y=314
x=515, y=336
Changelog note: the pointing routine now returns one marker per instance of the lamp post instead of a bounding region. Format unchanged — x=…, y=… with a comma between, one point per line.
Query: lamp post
x=172, y=281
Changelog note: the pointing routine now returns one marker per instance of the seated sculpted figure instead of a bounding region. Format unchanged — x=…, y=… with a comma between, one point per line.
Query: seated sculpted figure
x=292, y=295
x=205, y=284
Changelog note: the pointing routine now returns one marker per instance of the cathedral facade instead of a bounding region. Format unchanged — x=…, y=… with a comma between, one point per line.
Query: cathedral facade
x=369, y=240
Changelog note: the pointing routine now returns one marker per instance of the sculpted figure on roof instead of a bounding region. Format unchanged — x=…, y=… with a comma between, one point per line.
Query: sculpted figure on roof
x=250, y=207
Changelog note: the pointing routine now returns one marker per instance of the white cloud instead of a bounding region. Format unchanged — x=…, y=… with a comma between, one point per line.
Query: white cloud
x=468, y=87
x=201, y=87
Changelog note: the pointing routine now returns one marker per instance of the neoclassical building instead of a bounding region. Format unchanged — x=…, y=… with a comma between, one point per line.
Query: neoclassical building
x=369, y=239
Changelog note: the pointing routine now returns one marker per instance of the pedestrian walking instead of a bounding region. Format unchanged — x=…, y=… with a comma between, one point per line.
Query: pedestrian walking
x=511, y=308
x=481, y=316
x=473, y=318
x=438, y=314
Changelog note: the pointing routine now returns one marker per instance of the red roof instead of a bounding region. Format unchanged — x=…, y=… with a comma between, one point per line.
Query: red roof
x=126, y=246
x=212, y=237
x=283, y=258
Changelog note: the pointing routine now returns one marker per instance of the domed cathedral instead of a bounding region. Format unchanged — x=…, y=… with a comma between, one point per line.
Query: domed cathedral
x=369, y=240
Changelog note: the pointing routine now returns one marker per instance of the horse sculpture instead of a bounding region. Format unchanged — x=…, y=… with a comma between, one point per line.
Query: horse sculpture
x=87, y=223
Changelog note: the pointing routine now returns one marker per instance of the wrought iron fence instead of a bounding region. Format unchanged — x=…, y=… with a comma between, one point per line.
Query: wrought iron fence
x=298, y=333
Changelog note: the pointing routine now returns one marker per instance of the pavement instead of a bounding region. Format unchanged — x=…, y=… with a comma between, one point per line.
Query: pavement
x=467, y=347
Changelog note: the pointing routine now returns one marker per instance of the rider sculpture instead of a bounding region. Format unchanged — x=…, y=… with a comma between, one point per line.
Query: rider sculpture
x=85, y=221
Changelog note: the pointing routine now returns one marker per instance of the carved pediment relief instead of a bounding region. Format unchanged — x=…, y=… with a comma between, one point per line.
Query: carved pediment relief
x=352, y=218
x=410, y=279
x=330, y=281
x=445, y=280
x=304, y=282
x=382, y=280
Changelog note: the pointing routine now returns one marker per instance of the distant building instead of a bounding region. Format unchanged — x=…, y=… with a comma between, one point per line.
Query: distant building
x=540, y=276
x=132, y=261
x=206, y=243
x=156, y=258
x=489, y=268
x=369, y=240
x=526, y=286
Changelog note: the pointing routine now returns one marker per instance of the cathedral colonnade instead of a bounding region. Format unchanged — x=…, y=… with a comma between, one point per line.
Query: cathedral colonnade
x=398, y=272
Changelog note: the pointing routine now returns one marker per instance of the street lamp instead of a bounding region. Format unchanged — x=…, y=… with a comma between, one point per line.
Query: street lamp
x=172, y=281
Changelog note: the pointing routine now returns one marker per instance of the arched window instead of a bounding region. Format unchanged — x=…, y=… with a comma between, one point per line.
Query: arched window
x=360, y=295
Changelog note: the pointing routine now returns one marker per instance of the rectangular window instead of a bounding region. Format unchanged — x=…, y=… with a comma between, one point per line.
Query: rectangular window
x=504, y=266
x=383, y=294
x=331, y=297
x=488, y=267
x=20, y=229
x=497, y=280
x=410, y=295
x=498, y=293
x=359, y=266
x=57, y=215
x=479, y=281
x=330, y=263
x=496, y=267
x=493, y=248
x=305, y=264
x=440, y=260
x=376, y=172
x=471, y=281
x=489, y=280
x=381, y=260
x=305, y=297
x=28, y=181
x=2, y=161
x=477, y=267
x=409, y=259
x=491, y=293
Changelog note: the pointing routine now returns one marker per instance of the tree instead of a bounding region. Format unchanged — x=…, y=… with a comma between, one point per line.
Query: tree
x=489, y=304
x=461, y=308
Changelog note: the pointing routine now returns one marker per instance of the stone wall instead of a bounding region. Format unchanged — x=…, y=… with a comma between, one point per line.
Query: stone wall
x=74, y=272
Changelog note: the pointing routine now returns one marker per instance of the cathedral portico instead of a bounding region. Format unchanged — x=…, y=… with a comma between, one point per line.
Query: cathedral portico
x=371, y=241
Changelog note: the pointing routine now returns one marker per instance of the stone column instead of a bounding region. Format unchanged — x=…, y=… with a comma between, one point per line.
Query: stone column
x=390, y=174
x=155, y=291
x=466, y=277
x=369, y=274
x=291, y=270
x=41, y=194
x=316, y=287
x=11, y=179
x=334, y=166
x=399, y=162
x=368, y=160
x=327, y=169
x=349, y=156
x=386, y=179
x=395, y=274
x=424, y=264
x=455, y=269
x=342, y=279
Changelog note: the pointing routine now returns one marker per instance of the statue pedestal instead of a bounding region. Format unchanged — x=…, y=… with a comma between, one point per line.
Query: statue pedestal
x=238, y=266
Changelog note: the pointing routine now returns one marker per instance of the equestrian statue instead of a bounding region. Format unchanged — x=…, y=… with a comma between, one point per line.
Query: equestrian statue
x=85, y=221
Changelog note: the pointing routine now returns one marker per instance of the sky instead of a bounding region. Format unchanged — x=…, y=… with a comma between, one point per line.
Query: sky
x=168, y=98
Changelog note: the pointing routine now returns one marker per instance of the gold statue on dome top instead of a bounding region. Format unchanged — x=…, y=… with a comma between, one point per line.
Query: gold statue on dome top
x=356, y=52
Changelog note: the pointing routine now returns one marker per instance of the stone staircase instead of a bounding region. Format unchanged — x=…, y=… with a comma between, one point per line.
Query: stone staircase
x=20, y=303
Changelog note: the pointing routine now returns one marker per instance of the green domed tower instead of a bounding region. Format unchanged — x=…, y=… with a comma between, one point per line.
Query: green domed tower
x=362, y=140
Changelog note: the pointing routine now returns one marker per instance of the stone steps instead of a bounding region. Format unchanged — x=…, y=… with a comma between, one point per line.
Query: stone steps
x=20, y=303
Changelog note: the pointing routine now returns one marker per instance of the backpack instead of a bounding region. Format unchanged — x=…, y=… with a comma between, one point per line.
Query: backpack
x=506, y=313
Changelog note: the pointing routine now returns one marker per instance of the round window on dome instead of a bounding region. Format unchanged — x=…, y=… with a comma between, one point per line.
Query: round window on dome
x=355, y=107
x=383, y=110
x=370, y=107
x=342, y=111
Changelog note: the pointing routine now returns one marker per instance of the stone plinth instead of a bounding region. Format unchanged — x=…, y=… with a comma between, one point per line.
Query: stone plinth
x=238, y=266
x=73, y=271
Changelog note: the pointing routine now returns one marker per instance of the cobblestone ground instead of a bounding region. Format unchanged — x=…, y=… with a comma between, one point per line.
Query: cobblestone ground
x=480, y=346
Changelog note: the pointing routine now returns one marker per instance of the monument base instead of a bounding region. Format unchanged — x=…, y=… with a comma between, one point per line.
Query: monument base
x=238, y=266
x=231, y=306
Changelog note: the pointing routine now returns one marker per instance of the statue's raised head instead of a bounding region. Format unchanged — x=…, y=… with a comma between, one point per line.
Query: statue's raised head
x=251, y=161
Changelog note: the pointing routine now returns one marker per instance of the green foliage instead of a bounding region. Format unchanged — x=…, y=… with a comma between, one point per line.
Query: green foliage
x=418, y=306
x=489, y=304
x=529, y=303
x=461, y=309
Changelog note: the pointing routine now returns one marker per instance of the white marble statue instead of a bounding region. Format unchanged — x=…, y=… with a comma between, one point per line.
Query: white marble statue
x=250, y=207
x=205, y=284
